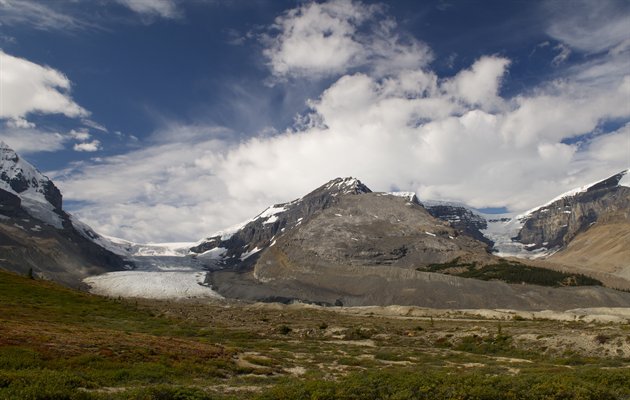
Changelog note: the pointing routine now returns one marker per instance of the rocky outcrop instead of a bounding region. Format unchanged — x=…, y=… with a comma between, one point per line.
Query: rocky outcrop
x=9, y=203
x=556, y=224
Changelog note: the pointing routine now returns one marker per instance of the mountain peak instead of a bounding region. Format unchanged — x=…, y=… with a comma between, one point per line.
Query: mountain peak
x=348, y=185
x=7, y=153
x=18, y=176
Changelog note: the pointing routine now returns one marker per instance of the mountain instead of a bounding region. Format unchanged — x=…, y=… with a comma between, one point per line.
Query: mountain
x=37, y=234
x=240, y=243
x=346, y=245
x=588, y=228
x=557, y=223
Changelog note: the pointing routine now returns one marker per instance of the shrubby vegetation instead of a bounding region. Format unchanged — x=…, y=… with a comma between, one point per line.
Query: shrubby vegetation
x=512, y=272
x=403, y=384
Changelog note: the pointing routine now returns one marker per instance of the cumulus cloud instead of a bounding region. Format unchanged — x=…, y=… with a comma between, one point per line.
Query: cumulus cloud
x=31, y=88
x=19, y=123
x=80, y=134
x=89, y=147
x=323, y=39
x=158, y=8
x=444, y=137
x=480, y=84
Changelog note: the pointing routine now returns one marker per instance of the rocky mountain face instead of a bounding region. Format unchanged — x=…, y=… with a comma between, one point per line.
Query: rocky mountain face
x=556, y=224
x=258, y=233
x=461, y=217
x=35, y=232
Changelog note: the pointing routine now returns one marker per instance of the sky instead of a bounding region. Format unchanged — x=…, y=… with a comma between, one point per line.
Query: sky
x=168, y=120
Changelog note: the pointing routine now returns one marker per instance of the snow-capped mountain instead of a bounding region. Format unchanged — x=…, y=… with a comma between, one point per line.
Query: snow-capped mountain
x=555, y=224
x=551, y=227
x=36, y=233
x=38, y=195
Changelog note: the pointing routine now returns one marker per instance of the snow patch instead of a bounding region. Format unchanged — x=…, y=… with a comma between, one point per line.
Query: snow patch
x=214, y=254
x=407, y=195
x=625, y=179
x=41, y=209
x=271, y=220
x=249, y=253
x=271, y=211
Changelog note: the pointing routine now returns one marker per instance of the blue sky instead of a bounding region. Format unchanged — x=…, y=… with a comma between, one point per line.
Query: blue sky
x=167, y=120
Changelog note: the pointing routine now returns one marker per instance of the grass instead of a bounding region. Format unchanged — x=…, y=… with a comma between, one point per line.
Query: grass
x=57, y=343
x=512, y=272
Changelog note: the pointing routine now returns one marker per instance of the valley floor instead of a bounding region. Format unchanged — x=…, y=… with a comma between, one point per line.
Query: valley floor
x=59, y=344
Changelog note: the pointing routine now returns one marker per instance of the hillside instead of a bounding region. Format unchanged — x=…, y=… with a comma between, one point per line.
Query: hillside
x=56, y=343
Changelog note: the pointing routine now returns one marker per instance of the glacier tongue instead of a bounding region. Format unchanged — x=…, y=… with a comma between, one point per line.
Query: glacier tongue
x=501, y=229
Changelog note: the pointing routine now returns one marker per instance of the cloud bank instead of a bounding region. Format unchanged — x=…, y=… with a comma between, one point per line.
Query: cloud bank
x=388, y=119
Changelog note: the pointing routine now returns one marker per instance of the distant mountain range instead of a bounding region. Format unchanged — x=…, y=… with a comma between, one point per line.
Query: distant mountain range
x=339, y=244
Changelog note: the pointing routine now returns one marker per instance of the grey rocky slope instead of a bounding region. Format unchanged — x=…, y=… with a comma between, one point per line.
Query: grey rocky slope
x=37, y=234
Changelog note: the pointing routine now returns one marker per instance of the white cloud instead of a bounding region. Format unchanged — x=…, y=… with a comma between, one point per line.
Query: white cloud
x=613, y=148
x=89, y=147
x=160, y=8
x=27, y=87
x=26, y=141
x=19, y=123
x=93, y=124
x=323, y=39
x=589, y=26
x=39, y=15
x=563, y=53
x=81, y=134
x=318, y=38
x=480, y=84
